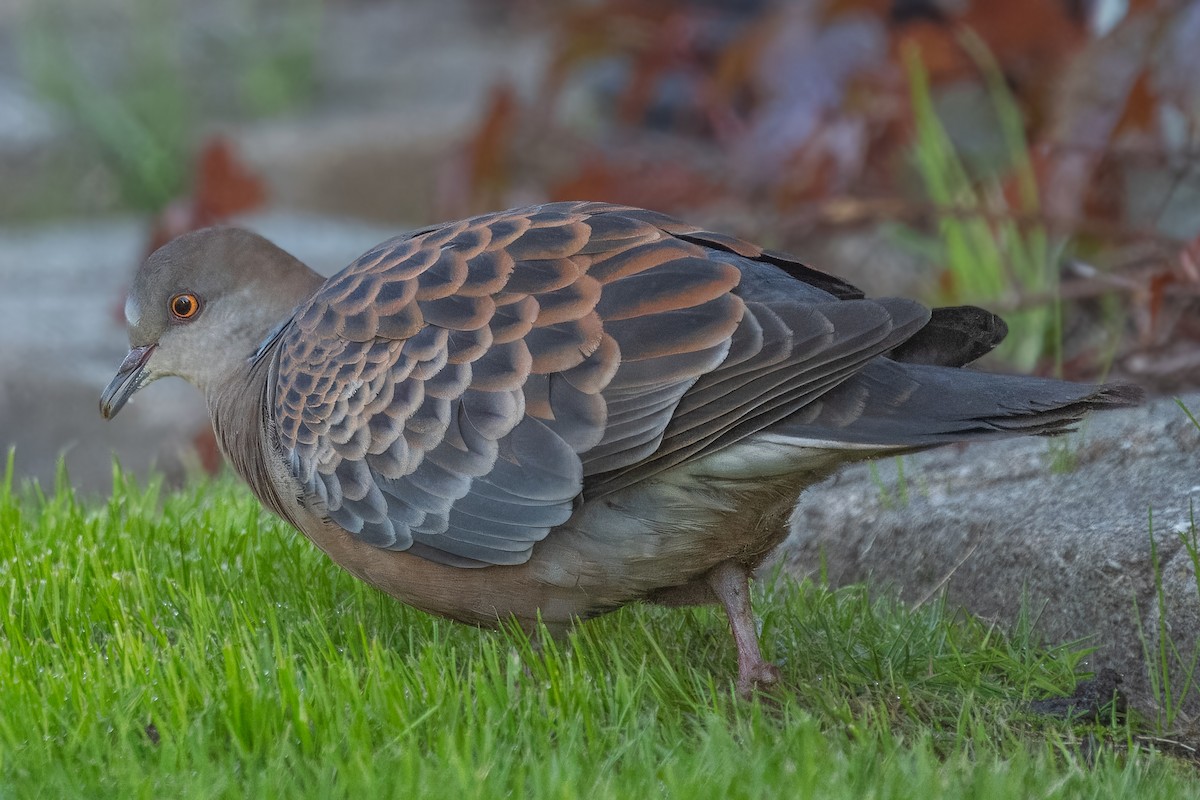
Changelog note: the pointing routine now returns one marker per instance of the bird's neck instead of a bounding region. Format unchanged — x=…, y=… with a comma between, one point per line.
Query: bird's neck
x=240, y=389
x=236, y=327
x=241, y=421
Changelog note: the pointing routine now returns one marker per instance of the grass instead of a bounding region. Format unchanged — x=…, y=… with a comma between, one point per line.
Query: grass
x=142, y=121
x=1187, y=412
x=896, y=497
x=1174, y=673
x=186, y=644
x=988, y=247
x=139, y=129
x=991, y=245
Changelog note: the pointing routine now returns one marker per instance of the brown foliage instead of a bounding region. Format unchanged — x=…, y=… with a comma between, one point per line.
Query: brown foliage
x=800, y=112
x=223, y=188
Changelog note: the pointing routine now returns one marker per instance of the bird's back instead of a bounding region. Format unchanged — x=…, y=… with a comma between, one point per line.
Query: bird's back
x=458, y=393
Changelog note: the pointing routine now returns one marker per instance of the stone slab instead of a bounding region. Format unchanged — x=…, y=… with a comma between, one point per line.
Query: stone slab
x=1001, y=531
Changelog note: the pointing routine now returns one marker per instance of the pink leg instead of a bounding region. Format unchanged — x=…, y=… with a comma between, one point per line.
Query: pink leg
x=730, y=582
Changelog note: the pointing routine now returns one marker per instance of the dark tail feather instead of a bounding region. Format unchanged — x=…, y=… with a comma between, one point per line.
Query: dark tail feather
x=954, y=336
x=911, y=405
x=1044, y=418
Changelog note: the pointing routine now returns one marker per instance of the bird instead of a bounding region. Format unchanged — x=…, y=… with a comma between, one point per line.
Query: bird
x=544, y=414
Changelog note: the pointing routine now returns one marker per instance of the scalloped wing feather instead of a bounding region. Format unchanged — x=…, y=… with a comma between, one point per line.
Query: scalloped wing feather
x=455, y=392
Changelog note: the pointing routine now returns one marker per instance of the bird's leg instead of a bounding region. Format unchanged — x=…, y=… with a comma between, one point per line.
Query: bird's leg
x=730, y=582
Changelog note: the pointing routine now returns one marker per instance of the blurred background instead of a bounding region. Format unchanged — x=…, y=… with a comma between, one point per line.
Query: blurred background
x=1036, y=156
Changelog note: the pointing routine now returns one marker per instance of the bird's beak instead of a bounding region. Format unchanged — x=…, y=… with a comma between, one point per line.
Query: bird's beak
x=130, y=377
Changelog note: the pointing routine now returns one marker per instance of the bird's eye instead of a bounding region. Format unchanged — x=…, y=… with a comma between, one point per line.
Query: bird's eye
x=185, y=306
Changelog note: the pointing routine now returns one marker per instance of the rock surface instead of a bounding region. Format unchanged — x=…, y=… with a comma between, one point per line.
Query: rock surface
x=1000, y=529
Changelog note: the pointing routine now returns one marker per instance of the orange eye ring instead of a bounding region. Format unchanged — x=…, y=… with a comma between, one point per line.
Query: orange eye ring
x=184, y=306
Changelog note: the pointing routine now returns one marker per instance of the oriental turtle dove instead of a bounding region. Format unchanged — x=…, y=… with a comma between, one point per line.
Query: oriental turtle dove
x=549, y=412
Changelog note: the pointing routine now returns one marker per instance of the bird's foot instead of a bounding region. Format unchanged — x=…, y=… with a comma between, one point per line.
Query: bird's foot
x=730, y=582
x=756, y=677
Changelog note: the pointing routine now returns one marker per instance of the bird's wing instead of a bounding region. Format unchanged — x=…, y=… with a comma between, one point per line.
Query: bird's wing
x=453, y=393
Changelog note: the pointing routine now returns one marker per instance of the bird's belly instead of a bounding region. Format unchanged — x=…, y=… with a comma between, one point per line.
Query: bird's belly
x=635, y=545
x=644, y=542
x=665, y=534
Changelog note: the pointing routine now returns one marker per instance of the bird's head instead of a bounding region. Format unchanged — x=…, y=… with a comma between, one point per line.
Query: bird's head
x=199, y=307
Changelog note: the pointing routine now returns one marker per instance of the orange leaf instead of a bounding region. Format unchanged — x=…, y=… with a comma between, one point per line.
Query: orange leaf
x=487, y=149
x=1027, y=36
x=941, y=55
x=1141, y=107
x=224, y=186
x=1155, y=294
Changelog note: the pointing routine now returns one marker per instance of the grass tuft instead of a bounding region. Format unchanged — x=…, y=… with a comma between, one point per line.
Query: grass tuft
x=136, y=104
x=1173, y=673
x=989, y=254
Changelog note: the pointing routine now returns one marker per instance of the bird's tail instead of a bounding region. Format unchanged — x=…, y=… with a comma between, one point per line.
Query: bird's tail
x=898, y=405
